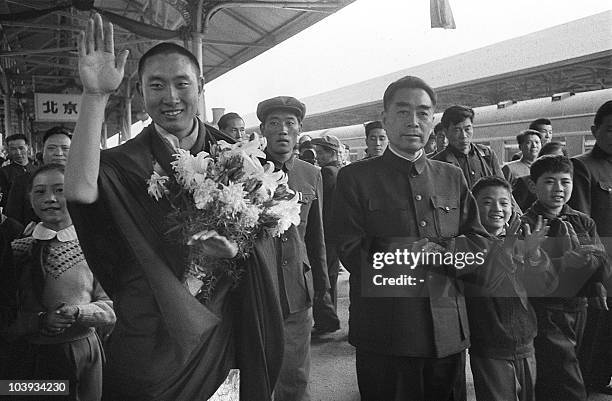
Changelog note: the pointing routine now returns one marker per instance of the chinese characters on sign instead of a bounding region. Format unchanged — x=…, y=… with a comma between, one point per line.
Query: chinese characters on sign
x=56, y=107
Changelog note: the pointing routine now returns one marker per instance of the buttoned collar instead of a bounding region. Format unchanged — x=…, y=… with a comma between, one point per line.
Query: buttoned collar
x=45, y=234
x=186, y=143
x=286, y=166
x=403, y=164
x=458, y=153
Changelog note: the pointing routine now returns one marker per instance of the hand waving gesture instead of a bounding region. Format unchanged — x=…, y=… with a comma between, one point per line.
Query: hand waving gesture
x=101, y=72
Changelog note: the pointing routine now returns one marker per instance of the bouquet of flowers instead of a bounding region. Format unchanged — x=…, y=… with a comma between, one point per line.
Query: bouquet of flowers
x=228, y=192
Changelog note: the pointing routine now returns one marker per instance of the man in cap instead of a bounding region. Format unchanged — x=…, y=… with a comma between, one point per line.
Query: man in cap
x=328, y=148
x=300, y=250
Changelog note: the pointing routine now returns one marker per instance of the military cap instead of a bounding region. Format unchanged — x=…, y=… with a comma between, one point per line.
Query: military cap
x=281, y=102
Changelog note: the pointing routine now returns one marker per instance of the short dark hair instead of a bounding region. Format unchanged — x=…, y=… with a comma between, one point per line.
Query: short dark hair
x=167, y=48
x=439, y=128
x=408, y=82
x=520, y=138
x=540, y=121
x=44, y=169
x=226, y=118
x=372, y=125
x=456, y=114
x=550, y=164
x=16, y=137
x=552, y=147
x=602, y=112
x=490, y=181
x=56, y=131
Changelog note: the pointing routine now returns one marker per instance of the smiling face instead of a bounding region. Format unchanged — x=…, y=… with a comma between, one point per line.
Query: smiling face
x=553, y=190
x=56, y=149
x=530, y=147
x=170, y=87
x=408, y=120
x=494, y=208
x=460, y=135
x=281, y=129
x=48, y=200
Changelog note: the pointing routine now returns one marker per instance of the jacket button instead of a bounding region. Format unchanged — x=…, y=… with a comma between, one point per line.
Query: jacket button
x=284, y=239
x=285, y=262
x=472, y=172
x=418, y=197
x=423, y=223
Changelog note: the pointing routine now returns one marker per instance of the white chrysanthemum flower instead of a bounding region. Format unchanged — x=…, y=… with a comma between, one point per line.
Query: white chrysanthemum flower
x=187, y=167
x=232, y=197
x=250, y=216
x=205, y=193
x=287, y=213
x=157, y=185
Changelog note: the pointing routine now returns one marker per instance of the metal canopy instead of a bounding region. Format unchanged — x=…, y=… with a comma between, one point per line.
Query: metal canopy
x=39, y=54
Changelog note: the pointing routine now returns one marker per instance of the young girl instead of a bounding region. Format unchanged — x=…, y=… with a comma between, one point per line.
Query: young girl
x=60, y=302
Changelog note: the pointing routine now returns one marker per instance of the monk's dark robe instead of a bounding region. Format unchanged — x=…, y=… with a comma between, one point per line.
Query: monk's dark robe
x=167, y=345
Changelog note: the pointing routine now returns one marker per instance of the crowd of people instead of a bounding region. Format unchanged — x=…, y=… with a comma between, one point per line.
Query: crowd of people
x=92, y=281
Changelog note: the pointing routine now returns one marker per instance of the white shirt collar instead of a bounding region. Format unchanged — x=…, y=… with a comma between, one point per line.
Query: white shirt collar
x=413, y=159
x=185, y=143
x=43, y=233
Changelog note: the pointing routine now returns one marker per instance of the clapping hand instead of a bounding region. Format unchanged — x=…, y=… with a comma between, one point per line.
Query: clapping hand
x=534, y=239
x=100, y=71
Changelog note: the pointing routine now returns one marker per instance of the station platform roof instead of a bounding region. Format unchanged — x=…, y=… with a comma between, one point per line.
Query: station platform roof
x=38, y=38
x=573, y=57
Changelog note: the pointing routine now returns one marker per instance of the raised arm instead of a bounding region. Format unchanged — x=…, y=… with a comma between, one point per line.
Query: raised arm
x=101, y=74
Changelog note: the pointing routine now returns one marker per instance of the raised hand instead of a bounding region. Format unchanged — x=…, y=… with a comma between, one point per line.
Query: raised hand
x=534, y=239
x=100, y=71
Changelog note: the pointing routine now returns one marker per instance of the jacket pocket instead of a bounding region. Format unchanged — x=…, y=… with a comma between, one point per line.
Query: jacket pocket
x=604, y=194
x=305, y=199
x=446, y=215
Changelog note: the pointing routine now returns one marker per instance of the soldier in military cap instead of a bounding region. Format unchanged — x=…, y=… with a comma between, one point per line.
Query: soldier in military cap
x=300, y=250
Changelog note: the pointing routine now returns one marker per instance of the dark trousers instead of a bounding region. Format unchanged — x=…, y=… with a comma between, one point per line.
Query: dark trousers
x=78, y=361
x=559, y=377
x=401, y=378
x=324, y=309
x=596, y=350
x=501, y=379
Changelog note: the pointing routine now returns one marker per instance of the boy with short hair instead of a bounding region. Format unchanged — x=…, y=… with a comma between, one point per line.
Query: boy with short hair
x=502, y=322
x=60, y=301
x=580, y=260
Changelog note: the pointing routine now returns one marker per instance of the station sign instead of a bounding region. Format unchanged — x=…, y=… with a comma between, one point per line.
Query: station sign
x=56, y=106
